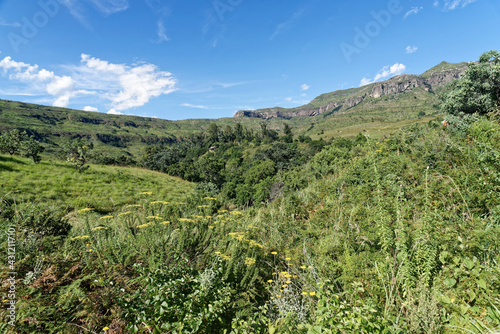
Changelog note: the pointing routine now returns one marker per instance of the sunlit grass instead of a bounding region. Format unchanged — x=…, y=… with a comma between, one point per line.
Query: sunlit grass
x=101, y=187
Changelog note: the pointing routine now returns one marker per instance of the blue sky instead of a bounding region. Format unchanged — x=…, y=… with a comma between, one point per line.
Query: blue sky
x=177, y=59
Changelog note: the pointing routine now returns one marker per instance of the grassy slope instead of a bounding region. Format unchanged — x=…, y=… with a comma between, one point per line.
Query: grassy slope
x=101, y=187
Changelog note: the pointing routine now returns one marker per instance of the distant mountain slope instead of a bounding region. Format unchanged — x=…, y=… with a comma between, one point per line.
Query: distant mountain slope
x=431, y=82
x=378, y=106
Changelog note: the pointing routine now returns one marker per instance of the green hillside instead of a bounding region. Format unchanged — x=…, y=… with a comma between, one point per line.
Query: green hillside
x=103, y=188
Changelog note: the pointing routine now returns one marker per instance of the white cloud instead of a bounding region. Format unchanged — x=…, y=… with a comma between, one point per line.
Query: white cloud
x=411, y=49
x=89, y=108
x=288, y=99
x=162, y=32
x=113, y=112
x=4, y=23
x=109, y=7
x=305, y=87
x=453, y=4
x=385, y=72
x=413, y=10
x=189, y=105
x=365, y=82
x=123, y=86
x=282, y=27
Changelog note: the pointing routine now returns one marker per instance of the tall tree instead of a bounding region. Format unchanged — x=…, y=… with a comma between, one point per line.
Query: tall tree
x=478, y=91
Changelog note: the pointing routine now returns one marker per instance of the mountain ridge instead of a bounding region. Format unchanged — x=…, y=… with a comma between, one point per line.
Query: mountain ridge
x=433, y=79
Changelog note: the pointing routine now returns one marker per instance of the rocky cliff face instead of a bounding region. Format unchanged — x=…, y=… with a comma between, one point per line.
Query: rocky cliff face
x=403, y=83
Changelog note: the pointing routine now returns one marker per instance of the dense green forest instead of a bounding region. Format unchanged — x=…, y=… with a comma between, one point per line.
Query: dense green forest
x=274, y=233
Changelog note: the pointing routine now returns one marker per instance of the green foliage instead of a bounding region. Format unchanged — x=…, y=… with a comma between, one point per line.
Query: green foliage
x=11, y=142
x=77, y=153
x=478, y=91
x=179, y=299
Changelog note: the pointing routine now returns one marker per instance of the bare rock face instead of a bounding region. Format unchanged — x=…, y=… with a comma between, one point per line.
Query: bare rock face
x=395, y=85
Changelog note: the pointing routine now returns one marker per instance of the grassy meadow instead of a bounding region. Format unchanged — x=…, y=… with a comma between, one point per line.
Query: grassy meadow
x=104, y=188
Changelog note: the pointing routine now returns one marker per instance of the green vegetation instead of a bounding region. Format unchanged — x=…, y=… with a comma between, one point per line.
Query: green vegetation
x=103, y=188
x=479, y=90
x=397, y=234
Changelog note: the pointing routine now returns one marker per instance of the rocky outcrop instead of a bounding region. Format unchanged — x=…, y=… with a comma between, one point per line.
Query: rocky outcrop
x=403, y=83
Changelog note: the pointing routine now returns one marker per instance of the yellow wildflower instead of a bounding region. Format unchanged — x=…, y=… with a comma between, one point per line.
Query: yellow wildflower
x=106, y=217
x=124, y=213
x=236, y=213
x=154, y=217
x=149, y=193
x=210, y=227
x=288, y=259
x=304, y=293
x=165, y=223
x=270, y=281
x=134, y=206
x=249, y=261
x=312, y=293
x=105, y=328
x=274, y=253
x=99, y=228
x=85, y=210
x=222, y=211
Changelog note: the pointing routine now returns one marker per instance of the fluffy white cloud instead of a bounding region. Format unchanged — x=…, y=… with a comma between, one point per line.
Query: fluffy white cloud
x=89, y=108
x=305, y=87
x=288, y=99
x=385, y=72
x=113, y=112
x=39, y=80
x=122, y=86
x=411, y=49
x=413, y=10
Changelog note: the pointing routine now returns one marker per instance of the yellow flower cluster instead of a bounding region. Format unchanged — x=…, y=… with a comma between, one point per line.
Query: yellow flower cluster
x=237, y=235
x=203, y=206
x=160, y=202
x=254, y=243
x=106, y=217
x=124, y=213
x=211, y=198
x=312, y=293
x=149, y=193
x=222, y=211
x=187, y=220
x=85, y=210
x=165, y=223
x=154, y=217
x=236, y=213
x=99, y=228
x=249, y=261
x=145, y=225
x=134, y=206
x=81, y=237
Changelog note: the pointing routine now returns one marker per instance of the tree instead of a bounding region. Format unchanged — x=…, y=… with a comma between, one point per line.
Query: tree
x=288, y=135
x=31, y=149
x=478, y=91
x=11, y=142
x=77, y=153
